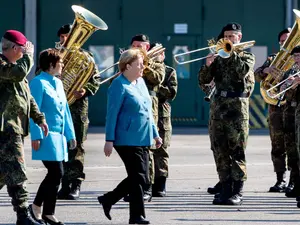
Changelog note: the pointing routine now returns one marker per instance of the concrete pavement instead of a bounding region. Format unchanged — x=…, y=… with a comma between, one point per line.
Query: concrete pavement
x=192, y=170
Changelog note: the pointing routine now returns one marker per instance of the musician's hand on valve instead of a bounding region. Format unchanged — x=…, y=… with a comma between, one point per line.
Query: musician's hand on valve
x=210, y=58
x=296, y=82
x=212, y=83
x=273, y=71
x=79, y=94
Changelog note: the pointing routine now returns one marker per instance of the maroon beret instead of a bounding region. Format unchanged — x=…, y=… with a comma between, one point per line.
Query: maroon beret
x=16, y=37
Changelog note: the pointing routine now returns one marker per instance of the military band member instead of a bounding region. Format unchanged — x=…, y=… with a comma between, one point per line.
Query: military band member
x=17, y=106
x=208, y=89
x=292, y=190
x=74, y=168
x=291, y=122
x=166, y=92
x=275, y=120
x=234, y=81
x=153, y=75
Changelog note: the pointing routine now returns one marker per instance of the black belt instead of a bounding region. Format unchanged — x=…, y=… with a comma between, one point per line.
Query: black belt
x=230, y=94
x=292, y=103
x=152, y=93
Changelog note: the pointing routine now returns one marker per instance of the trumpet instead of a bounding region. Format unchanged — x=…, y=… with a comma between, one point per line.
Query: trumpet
x=223, y=48
x=151, y=54
x=281, y=94
x=211, y=93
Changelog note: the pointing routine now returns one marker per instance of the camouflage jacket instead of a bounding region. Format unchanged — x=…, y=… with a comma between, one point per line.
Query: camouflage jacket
x=259, y=74
x=290, y=95
x=17, y=104
x=154, y=75
x=167, y=92
x=234, y=74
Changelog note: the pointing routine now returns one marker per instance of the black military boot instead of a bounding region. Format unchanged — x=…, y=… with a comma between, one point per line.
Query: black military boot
x=280, y=184
x=65, y=190
x=225, y=194
x=216, y=189
x=293, y=193
x=237, y=196
x=159, y=187
x=290, y=190
x=24, y=218
x=75, y=190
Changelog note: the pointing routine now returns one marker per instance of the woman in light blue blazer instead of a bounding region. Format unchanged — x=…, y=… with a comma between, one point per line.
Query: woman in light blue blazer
x=130, y=129
x=52, y=150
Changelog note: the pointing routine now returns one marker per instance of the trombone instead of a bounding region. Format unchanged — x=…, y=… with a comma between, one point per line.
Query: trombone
x=151, y=54
x=223, y=48
x=280, y=95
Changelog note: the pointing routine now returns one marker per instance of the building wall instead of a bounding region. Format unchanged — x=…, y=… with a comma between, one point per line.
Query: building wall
x=125, y=18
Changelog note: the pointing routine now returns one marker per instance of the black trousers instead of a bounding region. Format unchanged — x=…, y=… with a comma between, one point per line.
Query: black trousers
x=48, y=189
x=136, y=160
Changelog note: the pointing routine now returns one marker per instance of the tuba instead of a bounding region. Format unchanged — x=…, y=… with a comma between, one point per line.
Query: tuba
x=283, y=62
x=79, y=65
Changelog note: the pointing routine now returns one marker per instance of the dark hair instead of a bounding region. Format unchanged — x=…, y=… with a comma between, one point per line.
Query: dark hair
x=48, y=58
x=285, y=31
x=65, y=29
x=296, y=50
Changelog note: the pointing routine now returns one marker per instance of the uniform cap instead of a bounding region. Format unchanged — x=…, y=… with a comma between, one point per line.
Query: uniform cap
x=16, y=37
x=140, y=37
x=232, y=27
x=65, y=29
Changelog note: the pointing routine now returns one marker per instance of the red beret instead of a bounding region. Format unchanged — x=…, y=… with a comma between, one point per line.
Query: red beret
x=15, y=37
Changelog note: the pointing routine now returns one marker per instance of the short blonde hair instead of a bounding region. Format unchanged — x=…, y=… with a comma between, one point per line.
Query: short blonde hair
x=129, y=56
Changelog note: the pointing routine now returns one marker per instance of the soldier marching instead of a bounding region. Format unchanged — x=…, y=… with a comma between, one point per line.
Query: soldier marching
x=227, y=77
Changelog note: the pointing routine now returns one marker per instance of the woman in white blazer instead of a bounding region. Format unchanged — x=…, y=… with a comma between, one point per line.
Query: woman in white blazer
x=49, y=95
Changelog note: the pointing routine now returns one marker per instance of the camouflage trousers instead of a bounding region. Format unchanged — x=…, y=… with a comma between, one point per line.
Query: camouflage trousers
x=75, y=166
x=290, y=138
x=161, y=155
x=230, y=140
x=12, y=169
x=151, y=157
x=297, y=124
x=276, y=127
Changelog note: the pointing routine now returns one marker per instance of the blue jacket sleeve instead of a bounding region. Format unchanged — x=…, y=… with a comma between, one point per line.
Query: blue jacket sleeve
x=69, y=131
x=37, y=90
x=115, y=97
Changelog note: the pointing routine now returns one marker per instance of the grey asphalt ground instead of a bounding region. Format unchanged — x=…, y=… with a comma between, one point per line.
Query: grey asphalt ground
x=192, y=170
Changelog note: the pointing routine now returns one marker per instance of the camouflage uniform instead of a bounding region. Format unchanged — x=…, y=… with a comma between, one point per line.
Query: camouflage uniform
x=167, y=91
x=79, y=110
x=276, y=127
x=234, y=81
x=207, y=90
x=290, y=131
x=153, y=75
x=17, y=106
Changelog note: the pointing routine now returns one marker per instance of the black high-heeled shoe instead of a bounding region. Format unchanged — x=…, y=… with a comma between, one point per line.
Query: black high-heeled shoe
x=106, y=206
x=40, y=221
x=51, y=222
x=139, y=220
